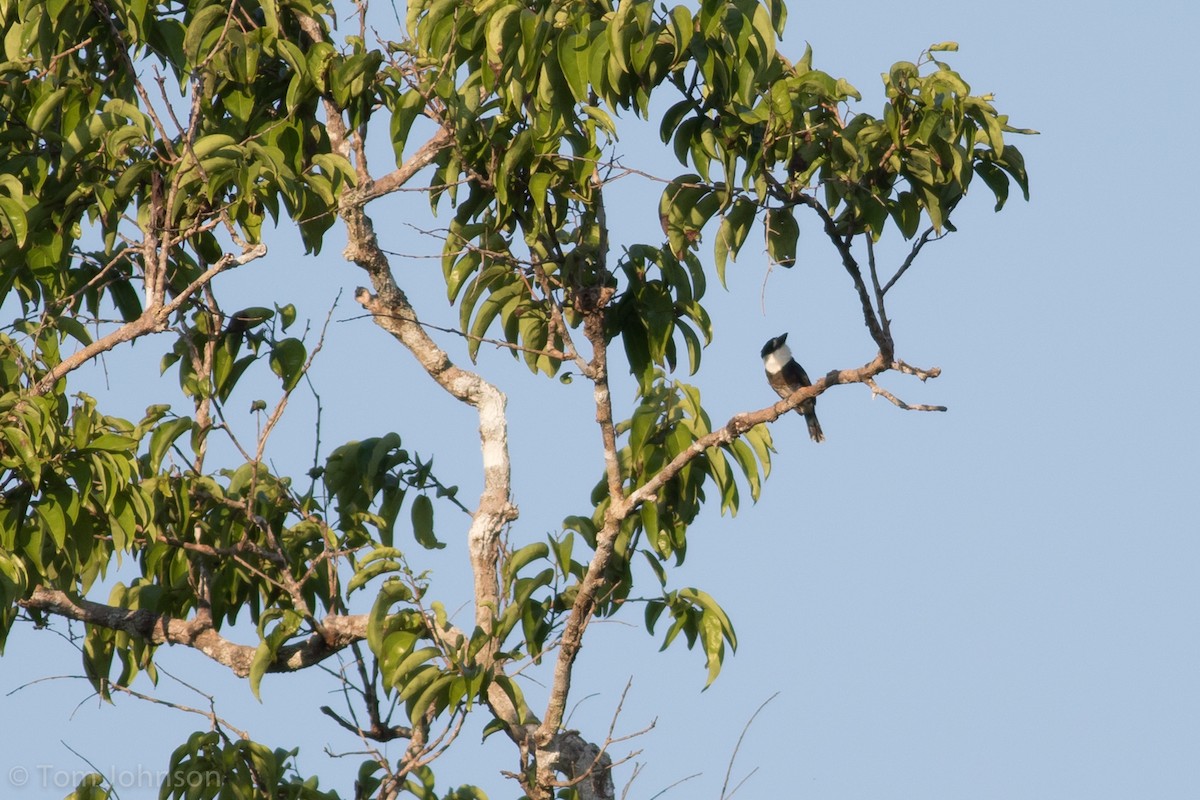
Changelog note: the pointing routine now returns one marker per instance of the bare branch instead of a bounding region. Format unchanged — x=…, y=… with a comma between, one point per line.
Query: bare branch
x=884, y=322
x=682, y=780
x=603, y=762
x=397, y=178
x=738, y=746
x=152, y=320
x=378, y=733
x=877, y=390
x=923, y=374
x=210, y=715
x=590, y=303
x=393, y=313
x=842, y=243
x=912, y=256
x=340, y=632
x=548, y=351
x=95, y=769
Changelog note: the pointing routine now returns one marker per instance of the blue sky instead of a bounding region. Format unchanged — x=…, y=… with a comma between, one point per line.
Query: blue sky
x=995, y=602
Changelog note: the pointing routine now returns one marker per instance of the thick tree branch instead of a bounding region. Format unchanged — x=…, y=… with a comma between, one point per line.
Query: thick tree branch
x=393, y=313
x=598, y=371
x=391, y=310
x=590, y=302
x=340, y=632
x=400, y=176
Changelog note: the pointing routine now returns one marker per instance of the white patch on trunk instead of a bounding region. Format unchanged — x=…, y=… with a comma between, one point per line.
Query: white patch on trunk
x=777, y=360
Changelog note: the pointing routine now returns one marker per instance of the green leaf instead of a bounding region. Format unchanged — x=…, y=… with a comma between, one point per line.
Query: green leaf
x=287, y=361
x=404, y=114
x=435, y=692
x=521, y=558
x=572, y=54
x=735, y=225
x=370, y=571
x=995, y=179
x=906, y=213
x=43, y=107
x=287, y=315
x=672, y=117
x=602, y=119
x=562, y=547
x=163, y=437
x=409, y=663
x=18, y=222
x=515, y=696
x=783, y=233
x=54, y=519
x=201, y=23
x=422, y=521
x=714, y=646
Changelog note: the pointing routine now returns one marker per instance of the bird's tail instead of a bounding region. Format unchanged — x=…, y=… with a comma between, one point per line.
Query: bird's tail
x=814, y=427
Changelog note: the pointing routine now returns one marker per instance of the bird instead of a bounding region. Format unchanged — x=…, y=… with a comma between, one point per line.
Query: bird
x=786, y=376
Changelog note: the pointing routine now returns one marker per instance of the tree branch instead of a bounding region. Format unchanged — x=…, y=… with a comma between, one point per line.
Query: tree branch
x=851, y=265
x=397, y=178
x=740, y=423
x=884, y=323
x=877, y=390
x=912, y=256
x=152, y=320
x=377, y=732
x=393, y=313
x=340, y=632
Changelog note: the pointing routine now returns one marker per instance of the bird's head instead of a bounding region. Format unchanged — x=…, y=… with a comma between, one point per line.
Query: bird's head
x=774, y=344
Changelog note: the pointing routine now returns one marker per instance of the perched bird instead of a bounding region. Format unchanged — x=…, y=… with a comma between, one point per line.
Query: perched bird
x=786, y=376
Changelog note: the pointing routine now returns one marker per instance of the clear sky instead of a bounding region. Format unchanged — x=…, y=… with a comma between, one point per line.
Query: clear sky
x=996, y=602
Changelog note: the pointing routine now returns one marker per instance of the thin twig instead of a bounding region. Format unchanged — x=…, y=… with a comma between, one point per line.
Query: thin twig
x=211, y=715
x=112, y=790
x=843, y=245
x=36, y=681
x=673, y=785
x=637, y=770
x=884, y=322
x=738, y=746
x=558, y=355
x=912, y=256
x=610, y=740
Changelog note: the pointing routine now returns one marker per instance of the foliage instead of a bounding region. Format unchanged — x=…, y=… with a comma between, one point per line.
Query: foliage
x=124, y=199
